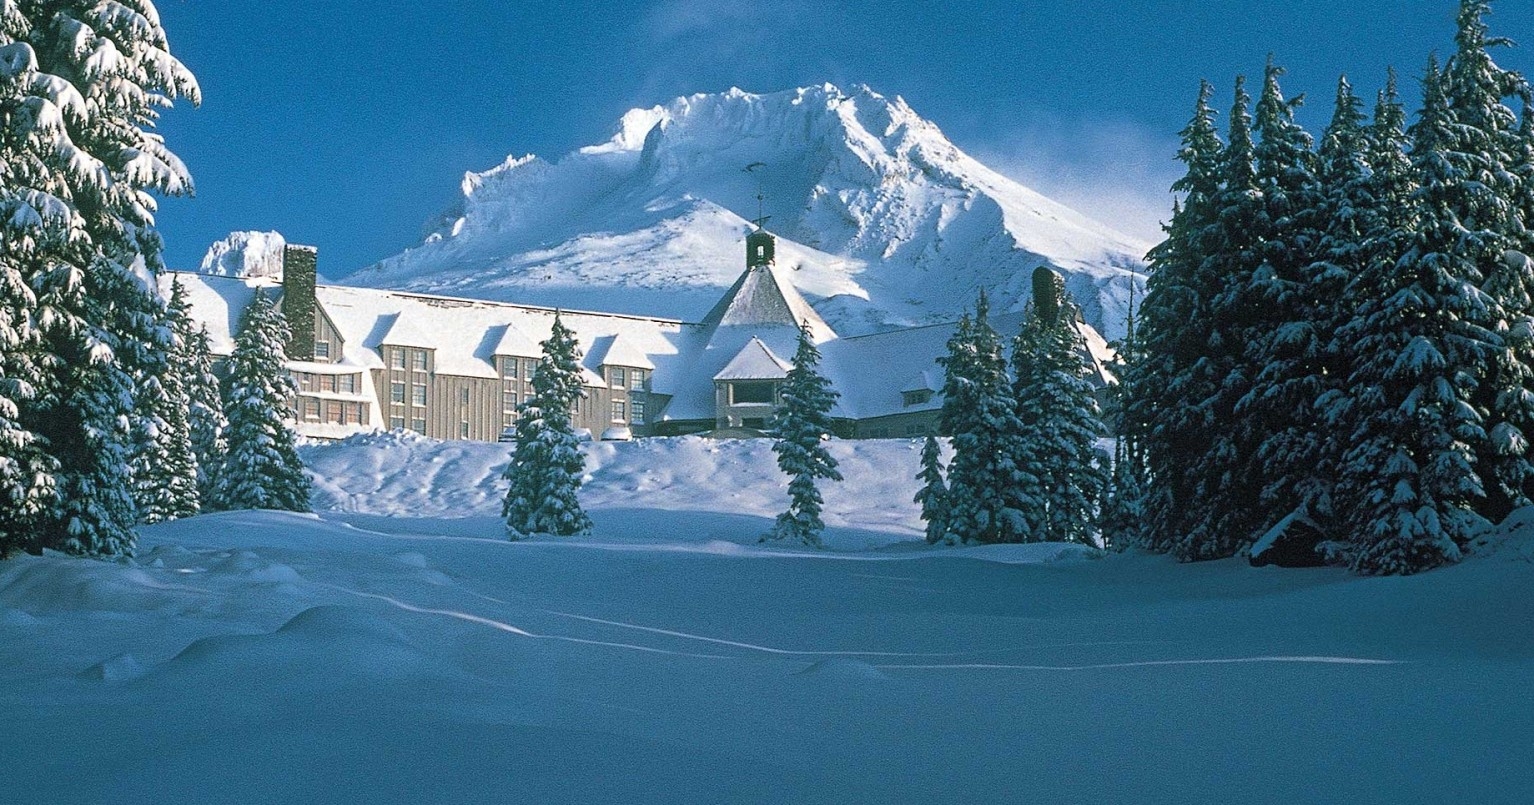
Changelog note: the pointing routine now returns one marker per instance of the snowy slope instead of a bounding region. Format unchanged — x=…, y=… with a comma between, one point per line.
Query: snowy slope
x=885, y=220
x=245, y=254
x=259, y=657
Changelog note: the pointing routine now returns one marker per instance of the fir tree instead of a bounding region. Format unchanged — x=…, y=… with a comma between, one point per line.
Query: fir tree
x=1219, y=505
x=1408, y=484
x=985, y=481
x=1124, y=512
x=262, y=470
x=81, y=84
x=1169, y=376
x=933, y=495
x=1059, y=419
x=545, y=471
x=164, y=466
x=205, y=413
x=803, y=425
x=1481, y=144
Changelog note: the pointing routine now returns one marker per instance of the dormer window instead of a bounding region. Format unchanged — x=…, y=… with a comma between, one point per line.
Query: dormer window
x=919, y=397
x=322, y=350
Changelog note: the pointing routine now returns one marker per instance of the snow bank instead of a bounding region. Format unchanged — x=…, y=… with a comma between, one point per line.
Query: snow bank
x=629, y=486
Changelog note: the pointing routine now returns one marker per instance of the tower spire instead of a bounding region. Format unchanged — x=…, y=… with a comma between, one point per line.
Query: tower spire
x=761, y=195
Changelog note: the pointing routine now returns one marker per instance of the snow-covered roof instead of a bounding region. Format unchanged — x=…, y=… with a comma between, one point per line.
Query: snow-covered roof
x=619, y=351
x=761, y=297
x=465, y=334
x=755, y=361
x=516, y=343
x=403, y=332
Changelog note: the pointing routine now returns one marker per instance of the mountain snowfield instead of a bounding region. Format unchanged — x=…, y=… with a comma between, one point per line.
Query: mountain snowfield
x=883, y=219
x=394, y=647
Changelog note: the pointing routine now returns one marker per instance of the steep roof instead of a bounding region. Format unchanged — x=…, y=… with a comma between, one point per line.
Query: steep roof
x=755, y=361
x=763, y=297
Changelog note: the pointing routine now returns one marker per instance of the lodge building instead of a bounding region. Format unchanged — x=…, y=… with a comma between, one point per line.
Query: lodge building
x=451, y=368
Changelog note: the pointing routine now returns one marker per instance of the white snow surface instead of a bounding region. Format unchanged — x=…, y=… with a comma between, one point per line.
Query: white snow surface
x=246, y=254
x=880, y=218
x=394, y=647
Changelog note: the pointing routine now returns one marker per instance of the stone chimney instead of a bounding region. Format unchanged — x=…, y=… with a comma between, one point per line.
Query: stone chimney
x=299, y=267
x=1047, y=289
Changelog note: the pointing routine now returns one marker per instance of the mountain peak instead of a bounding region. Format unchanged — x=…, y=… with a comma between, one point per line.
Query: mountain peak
x=882, y=220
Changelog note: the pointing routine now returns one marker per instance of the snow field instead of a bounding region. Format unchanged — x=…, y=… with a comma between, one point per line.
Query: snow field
x=394, y=648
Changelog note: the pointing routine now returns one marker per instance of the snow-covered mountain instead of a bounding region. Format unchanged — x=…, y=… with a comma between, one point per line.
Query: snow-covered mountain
x=245, y=254
x=885, y=221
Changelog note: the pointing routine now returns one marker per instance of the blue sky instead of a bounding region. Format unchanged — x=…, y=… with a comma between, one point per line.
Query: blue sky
x=347, y=123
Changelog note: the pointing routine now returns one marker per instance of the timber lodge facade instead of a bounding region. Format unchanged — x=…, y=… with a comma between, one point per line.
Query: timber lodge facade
x=448, y=368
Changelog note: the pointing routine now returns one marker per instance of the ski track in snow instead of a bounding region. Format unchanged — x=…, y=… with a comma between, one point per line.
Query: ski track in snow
x=1148, y=664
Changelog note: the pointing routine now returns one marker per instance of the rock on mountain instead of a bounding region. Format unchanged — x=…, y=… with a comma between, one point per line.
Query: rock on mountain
x=884, y=221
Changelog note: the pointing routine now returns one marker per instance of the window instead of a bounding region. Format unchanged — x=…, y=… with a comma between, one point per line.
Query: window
x=620, y=411
x=397, y=358
x=418, y=394
x=322, y=349
x=397, y=392
x=328, y=383
x=463, y=430
x=509, y=400
x=362, y=413
x=418, y=360
x=349, y=383
x=418, y=425
x=619, y=379
x=463, y=395
x=920, y=397
x=753, y=392
x=509, y=367
x=638, y=412
x=636, y=380
x=508, y=418
x=311, y=409
x=396, y=423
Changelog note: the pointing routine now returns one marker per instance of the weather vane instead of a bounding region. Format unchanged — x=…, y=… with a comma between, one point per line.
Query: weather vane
x=761, y=196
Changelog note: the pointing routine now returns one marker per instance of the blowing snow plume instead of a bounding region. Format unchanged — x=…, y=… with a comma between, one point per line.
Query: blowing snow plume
x=886, y=222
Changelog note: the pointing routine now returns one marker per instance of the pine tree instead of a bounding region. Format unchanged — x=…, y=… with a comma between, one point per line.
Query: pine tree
x=164, y=466
x=1220, y=504
x=1408, y=484
x=933, y=495
x=1170, y=375
x=262, y=470
x=803, y=425
x=27, y=489
x=1482, y=145
x=985, y=482
x=545, y=471
x=81, y=84
x=206, y=423
x=1124, y=516
x=1059, y=419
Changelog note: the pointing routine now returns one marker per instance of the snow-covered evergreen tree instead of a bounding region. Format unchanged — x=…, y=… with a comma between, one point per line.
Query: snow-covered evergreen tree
x=1059, y=419
x=1219, y=506
x=1124, y=515
x=545, y=471
x=1482, y=144
x=802, y=427
x=262, y=470
x=81, y=84
x=933, y=494
x=164, y=466
x=985, y=481
x=1408, y=485
x=205, y=412
x=1172, y=373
